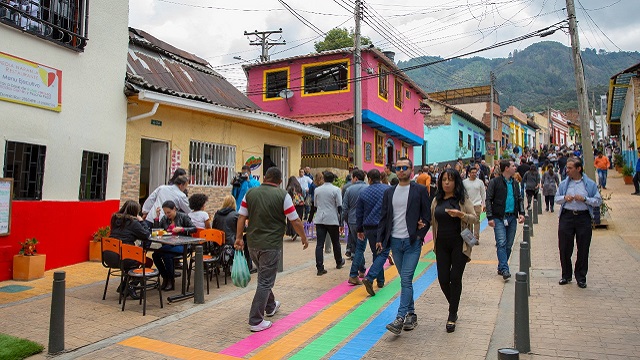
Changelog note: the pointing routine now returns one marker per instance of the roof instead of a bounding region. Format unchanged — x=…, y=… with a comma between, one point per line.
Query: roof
x=383, y=58
x=618, y=91
x=318, y=119
x=463, y=114
x=155, y=65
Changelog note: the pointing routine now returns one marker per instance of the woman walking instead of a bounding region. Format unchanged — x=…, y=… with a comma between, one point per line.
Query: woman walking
x=550, y=183
x=451, y=212
x=295, y=191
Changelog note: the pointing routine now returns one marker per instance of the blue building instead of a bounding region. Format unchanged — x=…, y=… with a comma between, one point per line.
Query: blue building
x=449, y=133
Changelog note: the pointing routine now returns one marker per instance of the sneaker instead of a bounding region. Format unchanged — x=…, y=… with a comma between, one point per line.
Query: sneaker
x=264, y=325
x=369, y=286
x=321, y=272
x=396, y=326
x=354, y=281
x=500, y=272
x=275, y=309
x=340, y=265
x=506, y=274
x=380, y=284
x=348, y=254
x=410, y=322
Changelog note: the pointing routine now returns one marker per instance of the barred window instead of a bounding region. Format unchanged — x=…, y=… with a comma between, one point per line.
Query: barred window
x=25, y=164
x=211, y=164
x=93, y=176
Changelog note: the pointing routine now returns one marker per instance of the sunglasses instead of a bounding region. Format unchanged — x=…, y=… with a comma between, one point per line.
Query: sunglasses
x=403, y=168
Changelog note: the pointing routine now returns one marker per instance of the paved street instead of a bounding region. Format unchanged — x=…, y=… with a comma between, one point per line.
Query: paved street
x=323, y=317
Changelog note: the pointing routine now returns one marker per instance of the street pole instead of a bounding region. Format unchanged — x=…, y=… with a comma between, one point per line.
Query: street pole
x=357, y=93
x=263, y=41
x=491, y=79
x=583, y=105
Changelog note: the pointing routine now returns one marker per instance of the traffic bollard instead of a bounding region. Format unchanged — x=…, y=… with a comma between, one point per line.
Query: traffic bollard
x=508, y=354
x=198, y=281
x=539, y=198
x=56, y=320
x=530, y=215
x=521, y=315
x=526, y=234
x=535, y=211
x=525, y=263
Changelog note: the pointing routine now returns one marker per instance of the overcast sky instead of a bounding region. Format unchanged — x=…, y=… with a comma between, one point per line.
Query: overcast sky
x=214, y=29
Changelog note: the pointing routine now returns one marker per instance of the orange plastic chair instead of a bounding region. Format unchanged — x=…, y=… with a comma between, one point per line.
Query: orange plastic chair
x=210, y=262
x=148, y=278
x=112, y=247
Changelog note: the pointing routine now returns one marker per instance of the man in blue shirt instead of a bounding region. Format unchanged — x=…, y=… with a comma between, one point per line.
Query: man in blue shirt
x=636, y=177
x=504, y=207
x=242, y=184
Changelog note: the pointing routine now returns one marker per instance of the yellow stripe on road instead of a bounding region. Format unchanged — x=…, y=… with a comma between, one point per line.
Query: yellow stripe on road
x=173, y=350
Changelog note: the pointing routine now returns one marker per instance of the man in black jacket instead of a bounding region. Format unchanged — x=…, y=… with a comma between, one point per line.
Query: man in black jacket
x=405, y=218
x=504, y=206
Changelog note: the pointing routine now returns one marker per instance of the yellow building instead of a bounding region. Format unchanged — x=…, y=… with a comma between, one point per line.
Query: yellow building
x=182, y=114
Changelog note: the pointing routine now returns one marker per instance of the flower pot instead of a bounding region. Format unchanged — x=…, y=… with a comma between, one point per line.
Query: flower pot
x=95, y=251
x=28, y=267
x=628, y=180
x=618, y=168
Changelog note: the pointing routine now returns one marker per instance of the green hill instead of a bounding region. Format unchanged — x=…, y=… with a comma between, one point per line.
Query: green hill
x=540, y=75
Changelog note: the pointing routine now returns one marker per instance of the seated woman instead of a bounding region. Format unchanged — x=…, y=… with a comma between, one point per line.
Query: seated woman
x=226, y=219
x=179, y=224
x=199, y=217
x=127, y=226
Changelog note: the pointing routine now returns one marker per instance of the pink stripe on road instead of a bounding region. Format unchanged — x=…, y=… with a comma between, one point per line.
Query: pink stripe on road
x=256, y=340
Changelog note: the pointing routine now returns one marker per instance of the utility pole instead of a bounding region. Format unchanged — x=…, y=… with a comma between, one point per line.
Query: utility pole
x=583, y=100
x=492, y=79
x=357, y=93
x=262, y=39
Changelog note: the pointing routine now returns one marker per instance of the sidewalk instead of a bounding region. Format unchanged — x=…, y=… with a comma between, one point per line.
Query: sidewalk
x=323, y=317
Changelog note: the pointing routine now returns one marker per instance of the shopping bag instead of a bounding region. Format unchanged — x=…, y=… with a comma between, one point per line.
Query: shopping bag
x=240, y=275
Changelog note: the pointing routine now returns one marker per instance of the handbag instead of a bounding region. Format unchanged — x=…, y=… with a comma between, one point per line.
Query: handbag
x=468, y=237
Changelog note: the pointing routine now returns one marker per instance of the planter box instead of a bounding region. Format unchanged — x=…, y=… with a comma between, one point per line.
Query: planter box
x=628, y=180
x=28, y=267
x=95, y=251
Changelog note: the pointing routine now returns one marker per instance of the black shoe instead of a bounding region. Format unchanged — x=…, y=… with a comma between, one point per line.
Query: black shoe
x=340, y=265
x=133, y=294
x=380, y=284
x=396, y=326
x=500, y=272
x=348, y=254
x=321, y=272
x=410, y=322
x=505, y=275
x=253, y=271
x=564, y=281
x=171, y=285
x=177, y=274
x=582, y=284
x=451, y=323
x=635, y=193
x=369, y=286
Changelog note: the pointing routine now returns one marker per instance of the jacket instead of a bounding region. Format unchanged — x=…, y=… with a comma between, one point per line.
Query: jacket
x=182, y=220
x=328, y=201
x=593, y=200
x=369, y=206
x=240, y=191
x=417, y=209
x=465, y=223
x=128, y=229
x=531, y=179
x=226, y=219
x=549, y=184
x=497, y=198
x=349, y=202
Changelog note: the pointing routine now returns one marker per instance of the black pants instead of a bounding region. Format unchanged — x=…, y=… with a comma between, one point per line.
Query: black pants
x=548, y=201
x=531, y=194
x=636, y=181
x=334, y=234
x=450, y=262
x=578, y=226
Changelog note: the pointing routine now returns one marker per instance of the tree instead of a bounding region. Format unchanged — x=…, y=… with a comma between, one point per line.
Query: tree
x=339, y=38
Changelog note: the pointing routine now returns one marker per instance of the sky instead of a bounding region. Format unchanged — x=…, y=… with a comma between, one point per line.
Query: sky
x=214, y=29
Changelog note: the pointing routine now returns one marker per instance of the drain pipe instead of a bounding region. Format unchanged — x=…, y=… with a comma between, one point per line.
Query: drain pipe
x=142, y=116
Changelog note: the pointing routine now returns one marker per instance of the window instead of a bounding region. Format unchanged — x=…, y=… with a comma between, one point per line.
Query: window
x=379, y=158
x=93, y=176
x=25, y=164
x=383, y=81
x=407, y=94
x=211, y=164
x=460, y=139
x=397, y=94
x=275, y=81
x=327, y=77
x=469, y=142
x=405, y=150
x=60, y=21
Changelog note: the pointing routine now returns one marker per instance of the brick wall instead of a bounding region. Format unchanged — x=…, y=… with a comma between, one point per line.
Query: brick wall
x=215, y=194
x=130, y=183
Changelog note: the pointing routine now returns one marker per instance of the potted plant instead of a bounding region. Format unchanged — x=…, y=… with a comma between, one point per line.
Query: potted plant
x=603, y=210
x=627, y=174
x=618, y=162
x=28, y=265
x=95, y=246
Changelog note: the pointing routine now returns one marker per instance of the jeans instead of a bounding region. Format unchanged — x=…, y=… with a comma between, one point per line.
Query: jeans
x=163, y=258
x=334, y=233
x=406, y=255
x=358, y=262
x=602, y=178
x=504, y=240
x=266, y=261
x=376, y=270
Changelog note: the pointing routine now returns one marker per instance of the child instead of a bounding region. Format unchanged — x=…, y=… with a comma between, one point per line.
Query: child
x=198, y=216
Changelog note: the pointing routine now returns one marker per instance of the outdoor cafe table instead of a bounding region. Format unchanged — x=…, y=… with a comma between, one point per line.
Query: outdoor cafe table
x=176, y=241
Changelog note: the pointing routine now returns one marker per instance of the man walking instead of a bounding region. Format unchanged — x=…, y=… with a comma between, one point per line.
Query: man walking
x=328, y=201
x=349, y=209
x=504, y=207
x=602, y=166
x=578, y=197
x=405, y=218
x=267, y=207
x=476, y=192
x=636, y=177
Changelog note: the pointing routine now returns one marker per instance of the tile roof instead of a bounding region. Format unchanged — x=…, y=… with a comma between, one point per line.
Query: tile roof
x=317, y=119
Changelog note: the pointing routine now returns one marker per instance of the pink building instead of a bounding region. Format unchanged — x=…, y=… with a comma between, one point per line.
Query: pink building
x=559, y=128
x=318, y=89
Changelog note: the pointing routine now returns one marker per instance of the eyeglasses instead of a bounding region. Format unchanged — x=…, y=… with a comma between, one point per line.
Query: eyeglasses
x=403, y=168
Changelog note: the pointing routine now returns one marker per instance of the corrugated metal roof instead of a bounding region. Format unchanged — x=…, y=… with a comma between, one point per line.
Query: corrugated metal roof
x=618, y=93
x=158, y=66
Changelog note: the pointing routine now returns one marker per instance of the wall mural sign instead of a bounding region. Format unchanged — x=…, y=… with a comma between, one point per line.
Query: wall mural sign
x=29, y=83
x=254, y=162
x=176, y=160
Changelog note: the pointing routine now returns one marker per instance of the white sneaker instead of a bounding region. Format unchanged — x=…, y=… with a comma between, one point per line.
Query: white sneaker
x=264, y=325
x=275, y=309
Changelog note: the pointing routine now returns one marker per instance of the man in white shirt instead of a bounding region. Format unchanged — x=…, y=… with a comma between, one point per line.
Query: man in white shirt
x=163, y=193
x=477, y=193
x=328, y=201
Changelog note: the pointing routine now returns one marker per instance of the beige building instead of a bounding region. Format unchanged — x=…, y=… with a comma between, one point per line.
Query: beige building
x=543, y=135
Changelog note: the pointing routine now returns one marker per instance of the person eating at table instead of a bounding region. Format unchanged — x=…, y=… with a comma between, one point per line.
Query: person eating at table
x=127, y=226
x=176, y=223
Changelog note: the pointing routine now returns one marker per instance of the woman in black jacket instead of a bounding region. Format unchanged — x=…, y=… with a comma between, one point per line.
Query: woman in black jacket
x=226, y=219
x=179, y=224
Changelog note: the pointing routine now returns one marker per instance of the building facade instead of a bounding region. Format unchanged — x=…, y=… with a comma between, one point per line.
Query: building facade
x=543, y=124
x=559, y=128
x=63, y=124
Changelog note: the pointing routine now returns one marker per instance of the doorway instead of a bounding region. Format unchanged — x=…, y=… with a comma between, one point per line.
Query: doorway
x=390, y=152
x=153, y=166
x=276, y=156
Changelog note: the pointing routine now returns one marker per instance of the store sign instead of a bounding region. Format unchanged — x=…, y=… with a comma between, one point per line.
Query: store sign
x=28, y=83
